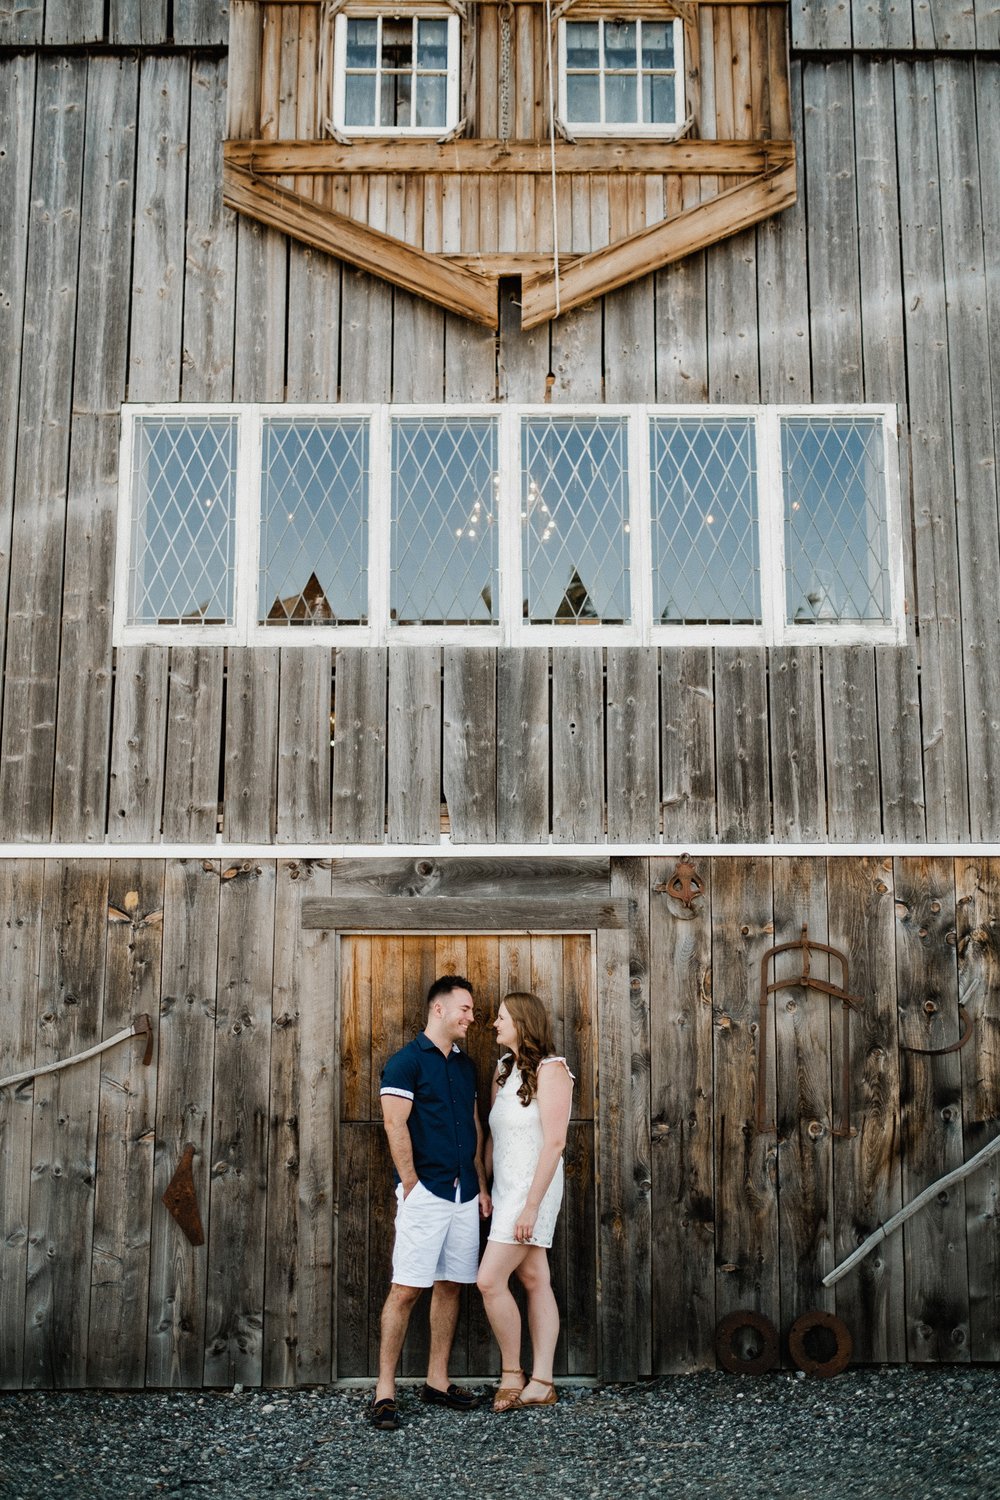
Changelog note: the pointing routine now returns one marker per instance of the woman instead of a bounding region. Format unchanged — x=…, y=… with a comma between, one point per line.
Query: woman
x=529, y=1113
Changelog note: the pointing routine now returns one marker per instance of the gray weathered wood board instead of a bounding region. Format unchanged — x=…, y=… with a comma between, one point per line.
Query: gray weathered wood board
x=469, y=744
x=123, y=1199
x=27, y=746
x=414, y=741
x=633, y=752
x=867, y=1172
x=522, y=746
x=808, y=1105
x=746, y=1203
x=936, y=568
x=978, y=916
x=304, y=740
x=251, y=760
x=937, y=1282
x=681, y=1034
x=70, y=1003
x=191, y=760
x=177, y=1270
x=21, y=904
x=577, y=738
x=359, y=749
x=237, y=1205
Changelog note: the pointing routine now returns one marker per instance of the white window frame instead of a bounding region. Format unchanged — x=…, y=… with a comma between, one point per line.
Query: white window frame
x=411, y=13
x=511, y=628
x=632, y=129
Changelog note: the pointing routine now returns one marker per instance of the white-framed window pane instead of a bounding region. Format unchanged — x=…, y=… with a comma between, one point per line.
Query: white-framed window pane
x=396, y=99
x=575, y=520
x=657, y=44
x=836, y=539
x=397, y=42
x=359, y=99
x=620, y=98
x=362, y=43
x=659, y=99
x=432, y=45
x=706, y=561
x=583, y=97
x=444, y=521
x=182, y=564
x=431, y=100
x=314, y=522
x=619, y=44
x=583, y=44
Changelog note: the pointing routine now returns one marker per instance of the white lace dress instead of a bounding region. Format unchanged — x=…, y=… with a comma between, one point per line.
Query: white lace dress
x=517, y=1141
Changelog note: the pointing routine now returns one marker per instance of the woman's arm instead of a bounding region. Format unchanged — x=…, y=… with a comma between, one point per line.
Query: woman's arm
x=555, y=1093
x=488, y=1154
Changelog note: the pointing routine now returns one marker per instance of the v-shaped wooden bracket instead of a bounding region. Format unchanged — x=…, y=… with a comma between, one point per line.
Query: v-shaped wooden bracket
x=468, y=283
x=807, y=981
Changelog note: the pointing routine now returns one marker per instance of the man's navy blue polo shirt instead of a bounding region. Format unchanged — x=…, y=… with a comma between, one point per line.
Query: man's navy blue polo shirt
x=442, y=1122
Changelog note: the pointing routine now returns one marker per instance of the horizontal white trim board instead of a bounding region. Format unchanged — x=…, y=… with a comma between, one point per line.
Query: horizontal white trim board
x=228, y=853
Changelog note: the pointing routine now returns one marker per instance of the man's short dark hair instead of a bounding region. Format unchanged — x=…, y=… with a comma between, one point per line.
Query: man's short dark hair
x=445, y=985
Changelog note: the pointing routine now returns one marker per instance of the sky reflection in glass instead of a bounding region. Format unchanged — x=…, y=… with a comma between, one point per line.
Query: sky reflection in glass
x=183, y=540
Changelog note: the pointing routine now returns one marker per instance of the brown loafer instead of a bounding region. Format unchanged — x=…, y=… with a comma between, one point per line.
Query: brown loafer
x=384, y=1415
x=455, y=1397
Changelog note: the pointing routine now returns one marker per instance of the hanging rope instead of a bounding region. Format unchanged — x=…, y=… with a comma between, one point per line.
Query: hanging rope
x=552, y=148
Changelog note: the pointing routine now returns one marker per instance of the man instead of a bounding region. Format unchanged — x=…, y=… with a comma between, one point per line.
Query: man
x=436, y=1141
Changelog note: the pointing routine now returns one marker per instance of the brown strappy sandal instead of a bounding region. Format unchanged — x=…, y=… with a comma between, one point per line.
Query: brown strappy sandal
x=506, y=1395
x=550, y=1400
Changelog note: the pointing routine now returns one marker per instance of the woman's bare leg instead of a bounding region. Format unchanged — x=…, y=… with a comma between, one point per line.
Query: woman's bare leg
x=543, y=1320
x=498, y=1264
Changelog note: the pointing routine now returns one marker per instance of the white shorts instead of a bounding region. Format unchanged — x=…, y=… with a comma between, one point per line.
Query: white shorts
x=436, y=1239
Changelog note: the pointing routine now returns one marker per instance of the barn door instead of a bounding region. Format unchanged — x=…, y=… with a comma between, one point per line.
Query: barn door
x=384, y=981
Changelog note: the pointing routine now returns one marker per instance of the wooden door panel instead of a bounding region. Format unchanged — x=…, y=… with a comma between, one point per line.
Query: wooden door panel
x=384, y=982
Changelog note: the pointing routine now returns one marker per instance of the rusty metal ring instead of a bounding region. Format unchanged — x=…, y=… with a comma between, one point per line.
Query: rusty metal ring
x=800, y=1330
x=725, y=1343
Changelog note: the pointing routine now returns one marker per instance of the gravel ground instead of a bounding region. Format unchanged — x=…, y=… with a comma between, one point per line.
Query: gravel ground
x=880, y=1433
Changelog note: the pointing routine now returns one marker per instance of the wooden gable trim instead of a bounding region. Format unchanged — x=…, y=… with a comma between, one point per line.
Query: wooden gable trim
x=313, y=158
x=448, y=914
x=626, y=260
x=455, y=287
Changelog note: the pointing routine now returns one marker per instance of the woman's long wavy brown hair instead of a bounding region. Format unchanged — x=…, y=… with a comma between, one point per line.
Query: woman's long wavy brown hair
x=534, y=1041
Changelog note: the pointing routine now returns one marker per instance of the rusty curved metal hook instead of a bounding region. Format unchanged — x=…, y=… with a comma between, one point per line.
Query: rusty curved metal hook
x=968, y=1027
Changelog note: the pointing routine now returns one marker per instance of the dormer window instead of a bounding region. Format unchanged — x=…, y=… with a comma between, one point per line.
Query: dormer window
x=396, y=74
x=622, y=77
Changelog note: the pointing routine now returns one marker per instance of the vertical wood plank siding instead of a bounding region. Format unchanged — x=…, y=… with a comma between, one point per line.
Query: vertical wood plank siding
x=834, y=744
x=266, y=1059
x=859, y=25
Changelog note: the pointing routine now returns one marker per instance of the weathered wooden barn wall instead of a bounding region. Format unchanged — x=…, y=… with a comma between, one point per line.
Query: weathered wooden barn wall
x=861, y=25
x=697, y=1213
x=880, y=284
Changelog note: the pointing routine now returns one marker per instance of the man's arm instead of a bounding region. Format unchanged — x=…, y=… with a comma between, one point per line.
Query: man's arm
x=395, y=1114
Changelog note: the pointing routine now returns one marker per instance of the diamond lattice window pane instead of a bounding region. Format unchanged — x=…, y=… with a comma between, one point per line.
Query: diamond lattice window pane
x=706, y=565
x=836, y=543
x=314, y=522
x=181, y=569
x=444, y=531
x=575, y=520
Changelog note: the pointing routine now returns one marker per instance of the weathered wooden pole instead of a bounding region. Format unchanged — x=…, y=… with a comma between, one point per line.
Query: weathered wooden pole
x=914, y=1207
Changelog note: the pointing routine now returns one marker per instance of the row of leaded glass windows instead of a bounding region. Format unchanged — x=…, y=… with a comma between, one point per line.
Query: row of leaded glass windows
x=577, y=506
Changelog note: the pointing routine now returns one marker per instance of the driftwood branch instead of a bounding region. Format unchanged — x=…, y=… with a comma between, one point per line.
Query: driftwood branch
x=141, y=1026
x=914, y=1207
